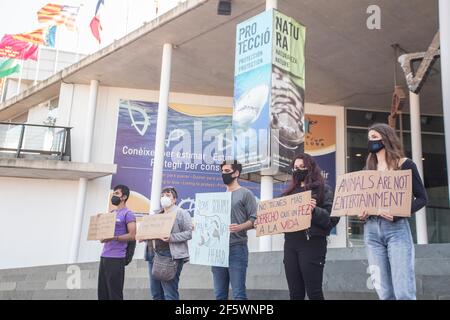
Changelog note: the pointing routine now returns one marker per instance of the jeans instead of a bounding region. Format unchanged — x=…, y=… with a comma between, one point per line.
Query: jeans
x=236, y=273
x=304, y=261
x=390, y=251
x=164, y=290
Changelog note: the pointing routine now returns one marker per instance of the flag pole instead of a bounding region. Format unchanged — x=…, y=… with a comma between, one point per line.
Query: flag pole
x=2, y=95
x=127, y=3
x=57, y=50
x=38, y=65
x=20, y=77
x=77, y=54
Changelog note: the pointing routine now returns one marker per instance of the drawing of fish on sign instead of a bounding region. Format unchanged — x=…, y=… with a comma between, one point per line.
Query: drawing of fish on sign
x=140, y=120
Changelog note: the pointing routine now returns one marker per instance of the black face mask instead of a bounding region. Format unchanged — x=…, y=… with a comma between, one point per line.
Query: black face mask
x=300, y=175
x=115, y=200
x=375, y=146
x=227, y=178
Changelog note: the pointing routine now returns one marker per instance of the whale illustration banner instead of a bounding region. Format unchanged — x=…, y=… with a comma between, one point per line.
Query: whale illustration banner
x=269, y=91
x=196, y=144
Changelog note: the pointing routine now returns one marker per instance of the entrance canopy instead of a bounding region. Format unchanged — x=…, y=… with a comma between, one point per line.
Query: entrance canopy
x=346, y=63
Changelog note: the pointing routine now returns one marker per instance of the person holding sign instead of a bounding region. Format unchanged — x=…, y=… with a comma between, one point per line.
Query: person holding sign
x=388, y=240
x=243, y=216
x=305, y=251
x=111, y=274
x=174, y=246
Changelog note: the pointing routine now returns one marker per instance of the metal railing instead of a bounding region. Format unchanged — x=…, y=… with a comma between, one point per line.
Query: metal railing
x=19, y=140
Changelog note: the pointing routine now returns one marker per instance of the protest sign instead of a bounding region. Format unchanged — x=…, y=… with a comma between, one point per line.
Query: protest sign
x=155, y=226
x=286, y=214
x=102, y=226
x=374, y=192
x=211, y=237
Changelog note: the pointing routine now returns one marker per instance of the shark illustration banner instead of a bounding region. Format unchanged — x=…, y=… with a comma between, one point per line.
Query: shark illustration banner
x=269, y=91
x=197, y=141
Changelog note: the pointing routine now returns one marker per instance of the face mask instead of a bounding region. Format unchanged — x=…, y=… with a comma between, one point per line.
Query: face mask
x=300, y=175
x=115, y=200
x=227, y=178
x=166, y=202
x=375, y=146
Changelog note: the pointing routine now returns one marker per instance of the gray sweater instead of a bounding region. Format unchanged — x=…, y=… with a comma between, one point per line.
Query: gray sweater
x=181, y=233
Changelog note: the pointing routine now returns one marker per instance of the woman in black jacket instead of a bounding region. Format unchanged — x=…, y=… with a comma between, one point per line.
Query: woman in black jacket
x=305, y=251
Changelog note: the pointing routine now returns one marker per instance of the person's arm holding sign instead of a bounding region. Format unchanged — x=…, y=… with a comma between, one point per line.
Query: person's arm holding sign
x=130, y=236
x=321, y=215
x=251, y=209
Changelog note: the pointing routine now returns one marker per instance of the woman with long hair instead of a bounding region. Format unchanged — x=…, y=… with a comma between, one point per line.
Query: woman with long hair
x=305, y=251
x=388, y=239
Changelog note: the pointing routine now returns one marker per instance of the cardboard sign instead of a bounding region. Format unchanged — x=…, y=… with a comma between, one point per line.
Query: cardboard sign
x=155, y=226
x=102, y=226
x=210, y=242
x=375, y=192
x=282, y=215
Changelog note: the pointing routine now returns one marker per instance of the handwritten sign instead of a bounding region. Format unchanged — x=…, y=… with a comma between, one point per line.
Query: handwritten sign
x=375, y=192
x=211, y=236
x=155, y=226
x=282, y=215
x=102, y=226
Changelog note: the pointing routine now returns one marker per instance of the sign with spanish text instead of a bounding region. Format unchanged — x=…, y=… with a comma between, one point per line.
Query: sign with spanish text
x=282, y=215
x=155, y=226
x=374, y=192
x=102, y=226
x=211, y=236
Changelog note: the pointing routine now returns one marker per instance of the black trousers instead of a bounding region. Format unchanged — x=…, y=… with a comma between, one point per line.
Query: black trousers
x=304, y=261
x=111, y=277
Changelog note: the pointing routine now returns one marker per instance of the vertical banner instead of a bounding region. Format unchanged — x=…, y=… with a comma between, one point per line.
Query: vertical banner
x=211, y=237
x=252, y=86
x=288, y=91
x=269, y=85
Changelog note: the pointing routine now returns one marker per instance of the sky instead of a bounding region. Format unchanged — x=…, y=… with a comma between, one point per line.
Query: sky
x=19, y=16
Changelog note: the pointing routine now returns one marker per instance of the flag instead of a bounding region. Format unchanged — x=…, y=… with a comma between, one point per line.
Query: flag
x=95, y=28
x=99, y=3
x=50, y=37
x=7, y=68
x=16, y=49
x=43, y=36
x=95, y=24
x=59, y=14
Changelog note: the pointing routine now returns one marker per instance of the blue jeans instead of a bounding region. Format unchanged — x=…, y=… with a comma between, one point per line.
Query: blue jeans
x=390, y=251
x=235, y=273
x=164, y=290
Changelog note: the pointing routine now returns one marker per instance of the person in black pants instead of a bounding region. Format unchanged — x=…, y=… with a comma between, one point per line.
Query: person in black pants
x=305, y=251
x=111, y=275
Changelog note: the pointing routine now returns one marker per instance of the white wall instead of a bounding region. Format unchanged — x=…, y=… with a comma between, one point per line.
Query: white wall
x=35, y=217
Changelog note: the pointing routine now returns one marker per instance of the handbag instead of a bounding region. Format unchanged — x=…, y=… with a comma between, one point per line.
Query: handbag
x=164, y=268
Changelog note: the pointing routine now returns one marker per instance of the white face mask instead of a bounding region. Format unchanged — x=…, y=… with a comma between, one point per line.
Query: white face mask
x=166, y=202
